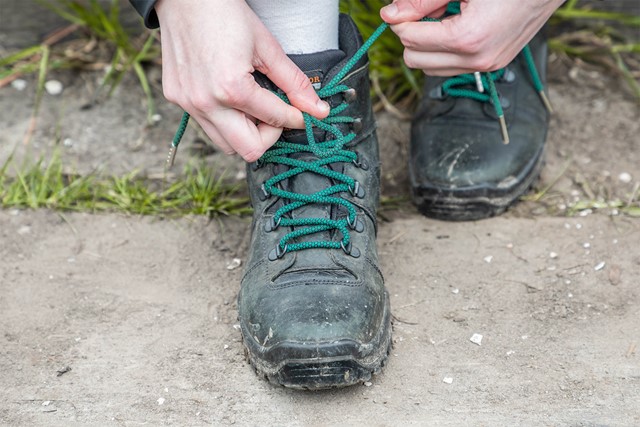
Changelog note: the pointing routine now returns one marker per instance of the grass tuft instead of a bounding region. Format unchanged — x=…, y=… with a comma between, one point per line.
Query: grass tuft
x=46, y=185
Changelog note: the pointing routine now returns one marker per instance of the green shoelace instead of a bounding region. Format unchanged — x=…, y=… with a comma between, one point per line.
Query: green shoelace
x=334, y=151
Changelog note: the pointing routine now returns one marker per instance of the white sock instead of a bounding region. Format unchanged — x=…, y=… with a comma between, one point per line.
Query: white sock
x=301, y=27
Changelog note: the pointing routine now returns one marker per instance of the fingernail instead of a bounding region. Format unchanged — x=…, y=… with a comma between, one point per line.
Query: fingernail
x=391, y=10
x=322, y=105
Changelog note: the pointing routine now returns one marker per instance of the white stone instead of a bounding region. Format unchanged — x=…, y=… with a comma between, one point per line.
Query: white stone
x=488, y=259
x=53, y=87
x=19, y=84
x=235, y=263
x=476, y=339
x=161, y=401
x=600, y=266
x=447, y=380
x=625, y=177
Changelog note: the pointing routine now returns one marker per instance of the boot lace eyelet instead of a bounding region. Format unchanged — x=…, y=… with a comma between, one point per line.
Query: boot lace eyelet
x=361, y=163
x=277, y=252
x=356, y=225
x=357, y=190
x=350, y=250
x=350, y=95
x=357, y=125
x=272, y=225
x=264, y=194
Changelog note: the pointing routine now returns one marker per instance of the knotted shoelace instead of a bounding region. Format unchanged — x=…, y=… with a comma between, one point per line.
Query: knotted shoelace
x=332, y=151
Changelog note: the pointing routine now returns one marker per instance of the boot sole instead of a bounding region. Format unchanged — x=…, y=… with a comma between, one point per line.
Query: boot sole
x=322, y=365
x=474, y=203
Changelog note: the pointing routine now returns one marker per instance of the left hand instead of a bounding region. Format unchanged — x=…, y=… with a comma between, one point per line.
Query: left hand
x=485, y=36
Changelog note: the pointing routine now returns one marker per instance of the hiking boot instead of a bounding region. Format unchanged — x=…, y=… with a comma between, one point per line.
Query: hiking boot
x=312, y=306
x=460, y=168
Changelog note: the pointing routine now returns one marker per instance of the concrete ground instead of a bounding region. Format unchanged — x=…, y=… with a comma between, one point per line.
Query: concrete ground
x=121, y=320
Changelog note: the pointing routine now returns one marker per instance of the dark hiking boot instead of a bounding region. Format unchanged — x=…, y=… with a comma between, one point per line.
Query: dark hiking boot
x=459, y=167
x=313, y=309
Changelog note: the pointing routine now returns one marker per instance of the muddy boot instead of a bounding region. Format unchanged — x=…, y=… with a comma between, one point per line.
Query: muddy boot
x=313, y=309
x=460, y=168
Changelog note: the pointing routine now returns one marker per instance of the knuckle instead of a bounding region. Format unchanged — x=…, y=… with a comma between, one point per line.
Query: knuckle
x=484, y=63
x=407, y=40
x=231, y=91
x=252, y=155
x=472, y=42
x=301, y=82
x=171, y=93
x=201, y=101
x=409, y=59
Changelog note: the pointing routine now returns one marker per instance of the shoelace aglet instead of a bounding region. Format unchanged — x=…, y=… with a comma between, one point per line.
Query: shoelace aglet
x=545, y=101
x=171, y=158
x=503, y=129
x=479, y=84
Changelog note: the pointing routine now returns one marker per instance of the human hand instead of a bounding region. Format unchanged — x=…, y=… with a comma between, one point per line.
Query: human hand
x=209, y=51
x=485, y=36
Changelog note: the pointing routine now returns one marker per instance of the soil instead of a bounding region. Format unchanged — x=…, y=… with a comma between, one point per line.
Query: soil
x=124, y=320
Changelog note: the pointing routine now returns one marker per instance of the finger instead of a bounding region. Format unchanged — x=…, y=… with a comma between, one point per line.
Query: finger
x=269, y=134
x=241, y=134
x=265, y=106
x=213, y=134
x=281, y=70
x=437, y=63
x=411, y=10
x=430, y=36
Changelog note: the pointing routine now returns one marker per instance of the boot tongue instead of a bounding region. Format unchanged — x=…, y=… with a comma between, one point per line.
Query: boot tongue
x=317, y=65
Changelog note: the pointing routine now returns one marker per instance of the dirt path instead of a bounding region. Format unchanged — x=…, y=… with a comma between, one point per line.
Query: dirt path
x=143, y=312
x=114, y=320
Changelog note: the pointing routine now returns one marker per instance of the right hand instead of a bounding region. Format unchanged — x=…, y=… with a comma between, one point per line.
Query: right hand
x=209, y=51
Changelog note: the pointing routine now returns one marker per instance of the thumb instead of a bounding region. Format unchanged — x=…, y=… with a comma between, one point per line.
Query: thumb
x=411, y=10
x=296, y=85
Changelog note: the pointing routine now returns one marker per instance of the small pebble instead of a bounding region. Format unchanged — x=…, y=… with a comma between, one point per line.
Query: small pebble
x=585, y=212
x=235, y=263
x=455, y=291
x=68, y=142
x=19, y=84
x=625, y=177
x=46, y=403
x=586, y=245
x=578, y=226
x=476, y=339
x=570, y=295
x=226, y=346
x=600, y=266
x=156, y=118
x=447, y=380
x=53, y=87
x=161, y=401
x=553, y=255
x=488, y=259
x=567, y=225
x=368, y=383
